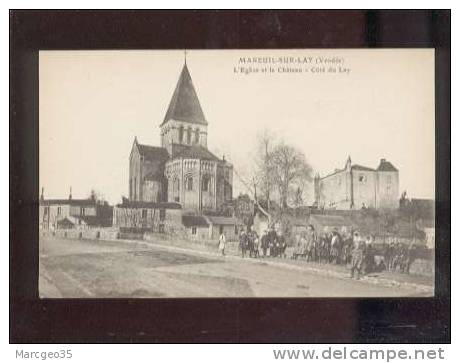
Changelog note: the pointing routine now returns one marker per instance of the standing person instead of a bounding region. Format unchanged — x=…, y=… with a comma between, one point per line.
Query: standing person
x=297, y=247
x=271, y=242
x=386, y=254
x=283, y=245
x=222, y=243
x=256, y=246
x=336, y=247
x=243, y=243
x=390, y=256
x=410, y=257
x=357, y=254
x=276, y=246
x=264, y=242
x=251, y=240
x=311, y=242
x=303, y=251
x=399, y=256
x=347, y=247
x=323, y=249
x=369, y=256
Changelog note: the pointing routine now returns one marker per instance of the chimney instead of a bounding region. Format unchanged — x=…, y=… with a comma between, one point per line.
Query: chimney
x=42, y=197
x=223, y=157
x=70, y=194
x=383, y=161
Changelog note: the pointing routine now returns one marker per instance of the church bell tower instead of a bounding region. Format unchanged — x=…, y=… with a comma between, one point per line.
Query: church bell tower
x=184, y=122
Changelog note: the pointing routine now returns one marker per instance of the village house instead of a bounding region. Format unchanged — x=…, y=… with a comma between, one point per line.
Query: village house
x=210, y=227
x=196, y=227
x=226, y=225
x=70, y=213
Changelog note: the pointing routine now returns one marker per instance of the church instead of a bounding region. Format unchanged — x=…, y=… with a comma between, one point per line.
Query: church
x=182, y=170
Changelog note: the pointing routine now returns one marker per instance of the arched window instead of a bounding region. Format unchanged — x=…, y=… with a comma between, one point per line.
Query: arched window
x=189, y=183
x=205, y=184
x=197, y=136
x=189, y=135
x=181, y=134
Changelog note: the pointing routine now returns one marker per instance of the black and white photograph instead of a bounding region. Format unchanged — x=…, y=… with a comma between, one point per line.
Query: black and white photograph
x=240, y=173
x=250, y=177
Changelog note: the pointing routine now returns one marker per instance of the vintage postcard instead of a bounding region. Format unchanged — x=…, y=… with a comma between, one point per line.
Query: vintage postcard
x=236, y=173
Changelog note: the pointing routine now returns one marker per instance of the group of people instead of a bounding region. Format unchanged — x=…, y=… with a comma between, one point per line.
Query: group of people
x=348, y=249
x=351, y=248
x=399, y=257
x=269, y=244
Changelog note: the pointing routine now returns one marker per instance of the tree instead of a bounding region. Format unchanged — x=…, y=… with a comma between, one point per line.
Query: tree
x=297, y=199
x=290, y=171
x=265, y=144
x=96, y=196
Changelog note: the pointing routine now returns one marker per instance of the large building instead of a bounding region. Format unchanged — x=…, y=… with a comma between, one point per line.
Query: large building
x=356, y=186
x=182, y=170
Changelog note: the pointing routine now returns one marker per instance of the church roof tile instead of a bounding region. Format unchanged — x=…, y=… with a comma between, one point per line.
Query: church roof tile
x=152, y=152
x=194, y=152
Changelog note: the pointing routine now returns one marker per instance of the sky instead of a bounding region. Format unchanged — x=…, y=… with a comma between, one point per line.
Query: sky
x=379, y=104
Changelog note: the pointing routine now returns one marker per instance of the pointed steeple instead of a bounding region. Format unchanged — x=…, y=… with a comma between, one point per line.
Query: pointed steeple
x=184, y=105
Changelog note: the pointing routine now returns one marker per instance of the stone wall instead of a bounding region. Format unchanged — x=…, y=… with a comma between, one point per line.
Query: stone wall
x=387, y=189
x=334, y=191
x=364, y=188
x=103, y=233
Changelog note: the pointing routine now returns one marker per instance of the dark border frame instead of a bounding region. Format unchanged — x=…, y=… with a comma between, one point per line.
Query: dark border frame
x=406, y=320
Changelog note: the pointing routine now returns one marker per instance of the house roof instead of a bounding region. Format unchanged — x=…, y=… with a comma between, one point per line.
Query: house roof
x=386, y=166
x=184, y=105
x=149, y=205
x=194, y=221
x=222, y=220
x=194, y=152
x=65, y=223
x=383, y=166
x=361, y=168
x=336, y=171
x=152, y=152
